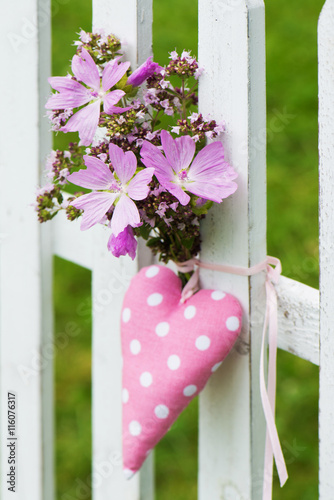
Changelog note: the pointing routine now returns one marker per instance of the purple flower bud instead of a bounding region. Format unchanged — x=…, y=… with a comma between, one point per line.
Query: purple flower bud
x=147, y=69
x=123, y=244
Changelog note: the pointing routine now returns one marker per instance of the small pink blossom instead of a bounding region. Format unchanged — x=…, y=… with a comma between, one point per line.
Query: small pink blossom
x=93, y=91
x=123, y=244
x=162, y=209
x=207, y=175
x=219, y=128
x=115, y=189
x=147, y=69
x=198, y=73
x=173, y=55
x=193, y=117
x=85, y=37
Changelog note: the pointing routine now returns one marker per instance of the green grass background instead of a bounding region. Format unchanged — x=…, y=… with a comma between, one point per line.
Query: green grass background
x=292, y=236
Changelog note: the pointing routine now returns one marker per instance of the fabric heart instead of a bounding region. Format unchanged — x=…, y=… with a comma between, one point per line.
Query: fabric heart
x=170, y=350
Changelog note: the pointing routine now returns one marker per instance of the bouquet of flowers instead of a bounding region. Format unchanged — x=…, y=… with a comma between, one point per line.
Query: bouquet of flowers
x=142, y=164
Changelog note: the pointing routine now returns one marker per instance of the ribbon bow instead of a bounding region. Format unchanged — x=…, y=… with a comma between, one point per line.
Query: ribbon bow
x=273, y=269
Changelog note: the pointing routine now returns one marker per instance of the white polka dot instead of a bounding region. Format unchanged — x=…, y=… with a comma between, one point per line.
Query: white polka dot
x=203, y=343
x=125, y=395
x=128, y=473
x=155, y=299
x=189, y=312
x=162, y=329
x=217, y=295
x=135, y=346
x=190, y=390
x=134, y=428
x=146, y=379
x=161, y=411
x=216, y=366
x=152, y=271
x=126, y=314
x=173, y=362
x=232, y=323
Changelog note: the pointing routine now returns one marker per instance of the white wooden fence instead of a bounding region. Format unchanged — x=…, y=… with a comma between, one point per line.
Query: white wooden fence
x=231, y=437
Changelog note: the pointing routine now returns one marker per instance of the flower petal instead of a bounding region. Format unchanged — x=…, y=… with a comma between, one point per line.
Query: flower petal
x=97, y=175
x=179, y=152
x=147, y=69
x=125, y=213
x=95, y=206
x=110, y=99
x=178, y=192
x=113, y=110
x=113, y=72
x=85, y=69
x=123, y=244
x=63, y=83
x=125, y=164
x=209, y=159
x=211, y=191
x=153, y=157
x=84, y=121
x=72, y=94
x=138, y=187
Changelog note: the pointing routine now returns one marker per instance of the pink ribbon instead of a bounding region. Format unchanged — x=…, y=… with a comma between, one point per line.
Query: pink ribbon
x=273, y=269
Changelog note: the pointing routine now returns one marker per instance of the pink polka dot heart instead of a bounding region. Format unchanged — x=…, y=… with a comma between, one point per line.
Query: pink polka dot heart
x=170, y=350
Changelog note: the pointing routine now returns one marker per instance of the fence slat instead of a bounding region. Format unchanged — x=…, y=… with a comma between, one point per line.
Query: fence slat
x=25, y=264
x=326, y=154
x=232, y=51
x=131, y=20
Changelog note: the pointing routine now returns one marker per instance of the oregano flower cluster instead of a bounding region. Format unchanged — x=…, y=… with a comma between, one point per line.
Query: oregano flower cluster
x=142, y=166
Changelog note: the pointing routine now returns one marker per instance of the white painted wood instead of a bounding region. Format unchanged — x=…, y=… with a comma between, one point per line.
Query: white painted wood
x=232, y=428
x=298, y=319
x=131, y=20
x=326, y=154
x=72, y=244
x=25, y=264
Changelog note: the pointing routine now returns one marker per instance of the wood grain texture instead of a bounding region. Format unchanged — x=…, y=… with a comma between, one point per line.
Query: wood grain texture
x=232, y=52
x=298, y=319
x=25, y=261
x=131, y=21
x=326, y=155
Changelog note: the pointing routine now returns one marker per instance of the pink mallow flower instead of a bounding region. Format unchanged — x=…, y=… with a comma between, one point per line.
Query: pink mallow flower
x=118, y=189
x=208, y=176
x=147, y=69
x=72, y=94
x=123, y=244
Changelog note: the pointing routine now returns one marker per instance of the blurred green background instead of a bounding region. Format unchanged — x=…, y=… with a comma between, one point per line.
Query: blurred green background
x=292, y=236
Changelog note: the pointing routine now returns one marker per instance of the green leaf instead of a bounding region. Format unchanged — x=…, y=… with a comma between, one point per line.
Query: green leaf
x=188, y=243
x=145, y=230
x=202, y=210
x=153, y=241
x=122, y=83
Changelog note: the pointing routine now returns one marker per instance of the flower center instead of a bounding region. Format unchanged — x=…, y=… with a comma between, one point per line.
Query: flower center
x=98, y=94
x=115, y=186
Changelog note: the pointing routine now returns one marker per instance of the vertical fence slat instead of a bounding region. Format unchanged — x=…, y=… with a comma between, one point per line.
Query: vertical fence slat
x=130, y=20
x=25, y=263
x=232, y=52
x=326, y=178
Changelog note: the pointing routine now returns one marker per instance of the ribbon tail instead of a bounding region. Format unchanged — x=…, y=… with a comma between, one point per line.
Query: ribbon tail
x=191, y=287
x=273, y=446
